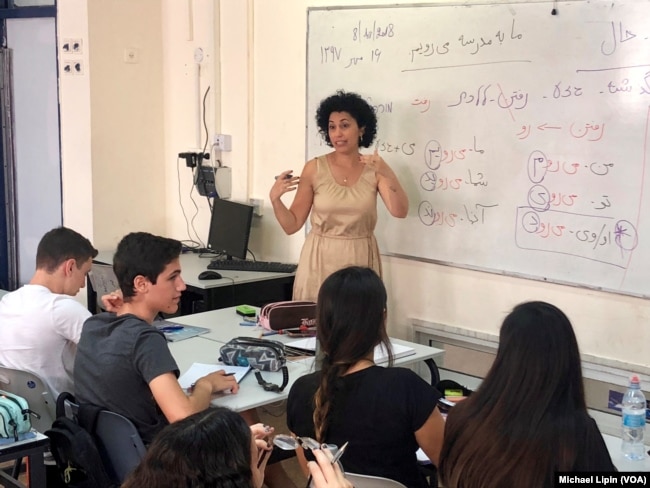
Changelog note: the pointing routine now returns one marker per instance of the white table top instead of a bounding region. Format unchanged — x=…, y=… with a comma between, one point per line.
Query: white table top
x=224, y=325
x=192, y=264
x=250, y=395
x=622, y=464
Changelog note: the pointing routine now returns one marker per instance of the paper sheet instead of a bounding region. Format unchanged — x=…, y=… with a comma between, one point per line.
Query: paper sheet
x=199, y=370
x=399, y=351
x=103, y=279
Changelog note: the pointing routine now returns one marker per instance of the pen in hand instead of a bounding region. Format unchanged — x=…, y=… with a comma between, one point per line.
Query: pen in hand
x=335, y=459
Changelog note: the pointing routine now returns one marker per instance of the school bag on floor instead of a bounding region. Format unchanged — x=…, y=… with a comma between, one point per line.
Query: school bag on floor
x=14, y=416
x=73, y=447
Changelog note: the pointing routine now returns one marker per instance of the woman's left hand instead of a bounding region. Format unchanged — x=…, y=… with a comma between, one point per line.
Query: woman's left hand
x=375, y=162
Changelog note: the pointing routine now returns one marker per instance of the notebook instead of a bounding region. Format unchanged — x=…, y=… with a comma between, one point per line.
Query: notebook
x=199, y=370
x=381, y=355
x=177, y=332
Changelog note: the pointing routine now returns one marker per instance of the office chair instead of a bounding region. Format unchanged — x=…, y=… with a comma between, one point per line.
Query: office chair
x=32, y=388
x=117, y=440
x=367, y=481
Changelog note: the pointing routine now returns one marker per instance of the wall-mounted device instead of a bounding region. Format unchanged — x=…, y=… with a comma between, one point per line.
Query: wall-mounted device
x=210, y=181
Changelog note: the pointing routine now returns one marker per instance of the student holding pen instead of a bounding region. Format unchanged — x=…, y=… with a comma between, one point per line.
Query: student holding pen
x=215, y=448
x=340, y=190
x=123, y=363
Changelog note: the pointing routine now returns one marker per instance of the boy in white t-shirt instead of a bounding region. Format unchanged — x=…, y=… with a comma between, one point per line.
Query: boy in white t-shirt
x=40, y=323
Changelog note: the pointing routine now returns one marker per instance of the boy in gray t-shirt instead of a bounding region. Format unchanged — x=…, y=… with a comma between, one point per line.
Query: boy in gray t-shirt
x=123, y=363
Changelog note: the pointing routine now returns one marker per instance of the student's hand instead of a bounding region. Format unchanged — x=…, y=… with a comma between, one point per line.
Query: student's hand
x=113, y=301
x=220, y=382
x=284, y=183
x=325, y=474
x=260, y=434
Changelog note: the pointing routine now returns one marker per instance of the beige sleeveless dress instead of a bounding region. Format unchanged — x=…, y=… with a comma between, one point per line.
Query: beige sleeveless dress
x=343, y=219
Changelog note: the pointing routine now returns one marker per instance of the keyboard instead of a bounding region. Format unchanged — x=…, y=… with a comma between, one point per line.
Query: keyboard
x=245, y=265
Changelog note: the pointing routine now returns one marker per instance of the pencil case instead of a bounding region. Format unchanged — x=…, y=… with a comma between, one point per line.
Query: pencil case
x=288, y=315
x=14, y=415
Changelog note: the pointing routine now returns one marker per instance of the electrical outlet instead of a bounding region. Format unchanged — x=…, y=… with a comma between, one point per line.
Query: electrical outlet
x=258, y=205
x=72, y=46
x=222, y=142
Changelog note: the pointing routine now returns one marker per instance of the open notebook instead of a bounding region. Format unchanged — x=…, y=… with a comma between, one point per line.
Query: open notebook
x=381, y=355
x=199, y=370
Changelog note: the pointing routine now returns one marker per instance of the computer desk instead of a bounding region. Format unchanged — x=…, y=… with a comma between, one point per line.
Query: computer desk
x=235, y=288
x=224, y=325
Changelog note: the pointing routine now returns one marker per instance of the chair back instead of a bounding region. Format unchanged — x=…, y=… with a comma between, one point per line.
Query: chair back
x=367, y=481
x=32, y=388
x=119, y=443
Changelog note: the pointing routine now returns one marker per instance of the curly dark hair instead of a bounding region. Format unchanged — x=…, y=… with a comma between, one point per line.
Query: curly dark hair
x=353, y=104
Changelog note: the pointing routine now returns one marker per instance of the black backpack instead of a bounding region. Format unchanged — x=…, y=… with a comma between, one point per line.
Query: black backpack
x=73, y=447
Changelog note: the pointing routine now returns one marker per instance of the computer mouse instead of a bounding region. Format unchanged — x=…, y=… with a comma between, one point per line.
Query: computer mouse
x=210, y=275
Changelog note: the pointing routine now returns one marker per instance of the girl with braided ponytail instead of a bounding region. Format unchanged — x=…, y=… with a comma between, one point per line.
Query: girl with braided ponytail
x=384, y=413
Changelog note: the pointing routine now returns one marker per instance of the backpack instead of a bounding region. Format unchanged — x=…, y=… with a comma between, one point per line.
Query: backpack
x=74, y=449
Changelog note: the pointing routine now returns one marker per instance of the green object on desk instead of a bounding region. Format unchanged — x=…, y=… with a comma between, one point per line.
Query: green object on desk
x=245, y=310
x=453, y=393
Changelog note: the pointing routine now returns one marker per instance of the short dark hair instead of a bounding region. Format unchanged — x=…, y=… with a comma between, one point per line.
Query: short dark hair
x=211, y=448
x=61, y=244
x=141, y=253
x=351, y=318
x=353, y=104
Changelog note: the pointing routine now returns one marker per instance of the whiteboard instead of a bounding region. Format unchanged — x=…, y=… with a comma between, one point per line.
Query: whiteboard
x=521, y=137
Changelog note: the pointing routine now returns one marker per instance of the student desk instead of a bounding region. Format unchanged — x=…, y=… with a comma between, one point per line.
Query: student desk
x=622, y=464
x=224, y=325
x=250, y=395
x=34, y=449
x=235, y=288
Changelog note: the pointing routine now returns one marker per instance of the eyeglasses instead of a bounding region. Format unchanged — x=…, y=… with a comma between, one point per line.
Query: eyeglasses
x=289, y=443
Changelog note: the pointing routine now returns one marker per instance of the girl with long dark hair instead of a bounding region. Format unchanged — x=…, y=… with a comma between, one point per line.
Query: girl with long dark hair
x=384, y=414
x=528, y=419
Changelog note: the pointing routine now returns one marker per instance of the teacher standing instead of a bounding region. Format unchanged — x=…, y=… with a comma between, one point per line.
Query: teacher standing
x=340, y=190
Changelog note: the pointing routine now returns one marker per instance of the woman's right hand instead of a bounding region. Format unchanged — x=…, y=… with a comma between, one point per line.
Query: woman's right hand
x=325, y=474
x=284, y=183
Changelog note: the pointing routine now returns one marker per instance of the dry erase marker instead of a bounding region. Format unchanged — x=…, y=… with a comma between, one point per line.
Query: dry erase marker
x=286, y=177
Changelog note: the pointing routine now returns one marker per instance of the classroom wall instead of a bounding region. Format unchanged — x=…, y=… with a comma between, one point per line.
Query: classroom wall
x=608, y=325
x=259, y=72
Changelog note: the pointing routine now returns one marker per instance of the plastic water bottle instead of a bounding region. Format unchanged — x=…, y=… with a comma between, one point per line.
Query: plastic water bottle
x=634, y=408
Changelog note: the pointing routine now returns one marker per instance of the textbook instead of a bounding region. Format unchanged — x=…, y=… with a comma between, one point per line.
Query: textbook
x=381, y=355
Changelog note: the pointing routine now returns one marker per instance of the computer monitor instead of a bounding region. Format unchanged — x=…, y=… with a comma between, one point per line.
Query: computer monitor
x=230, y=228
